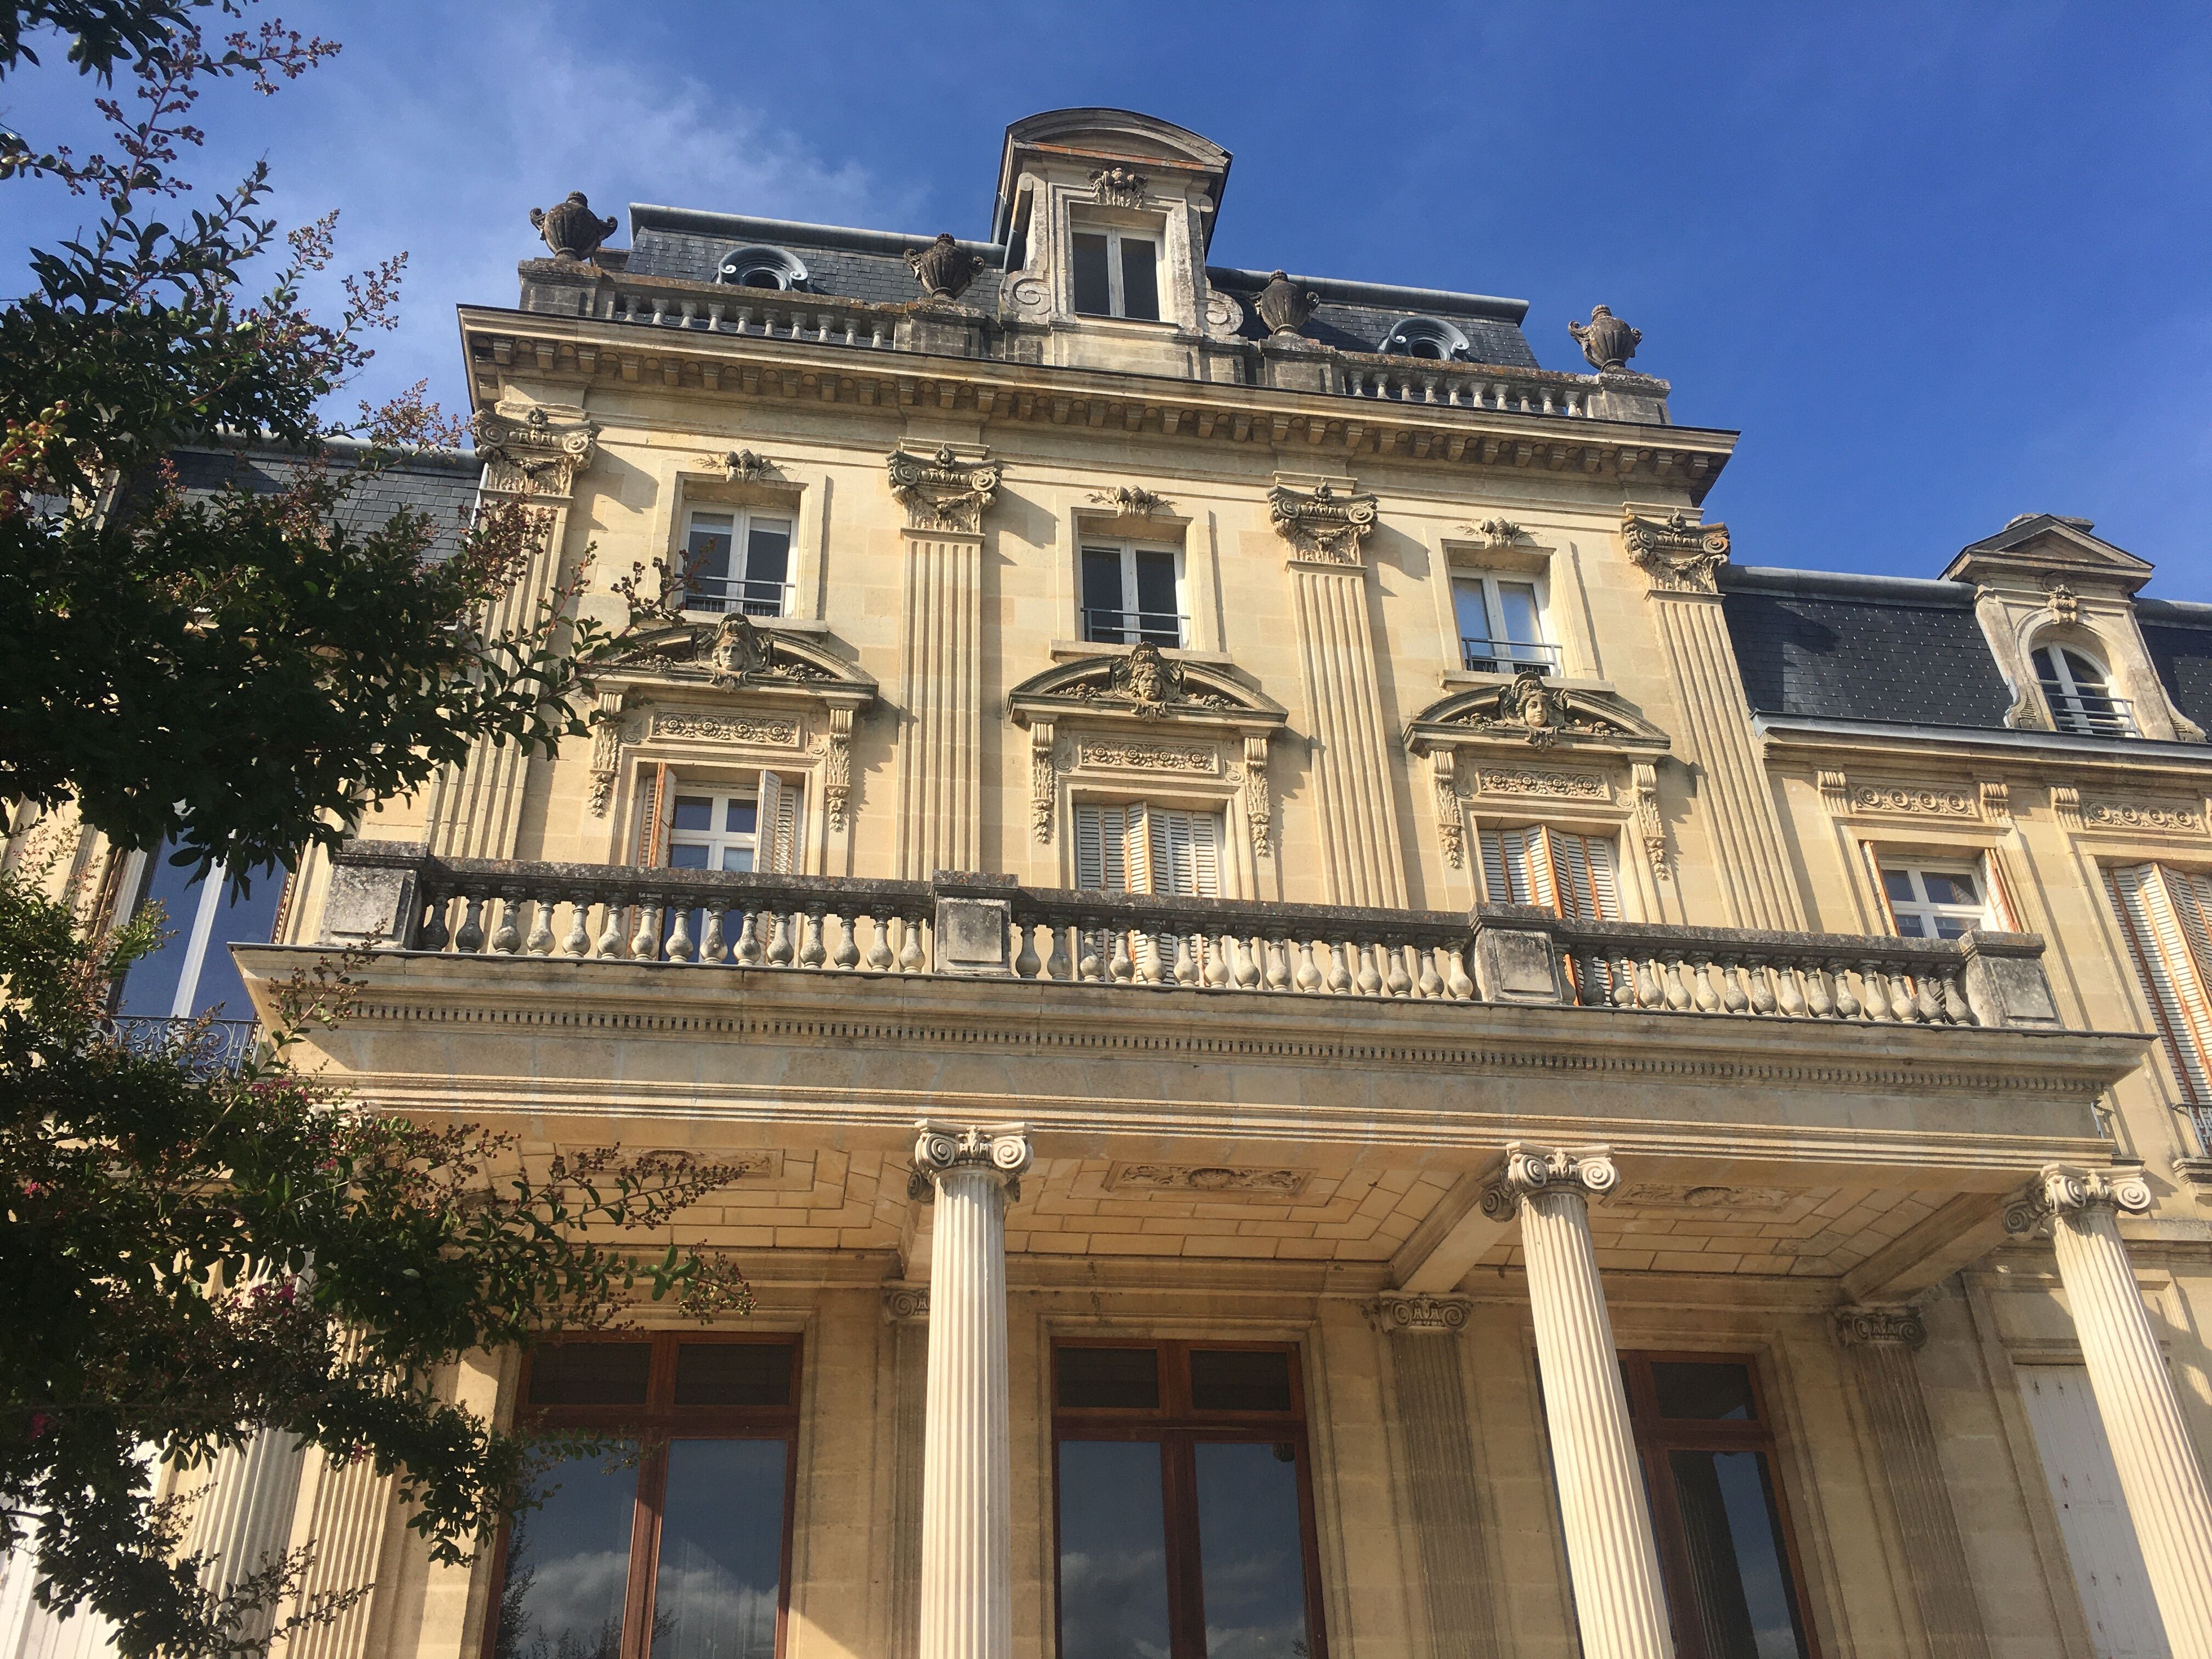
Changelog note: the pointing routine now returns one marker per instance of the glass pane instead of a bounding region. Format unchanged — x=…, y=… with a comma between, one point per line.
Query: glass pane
x=1156, y=598
x=1898, y=884
x=1250, y=1551
x=1239, y=1380
x=739, y=816
x=1518, y=601
x=737, y=858
x=2088, y=678
x=1140, y=281
x=590, y=1374
x=1088, y=1378
x=706, y=558
x=768, y=565
x=149, y=989
x=721, y=1551
x=1473, y=614
x=568, y=1564
x=733, y=1374
x=243, y=919
x=684, y=857
x=1706, y=1393
x=1113, y=1550
x=1102, y=593
x=1739, y=1580
x=695, y=812
x=1091, y=295
x=1945, y=887
x=1953, y=927
x=1912, y=925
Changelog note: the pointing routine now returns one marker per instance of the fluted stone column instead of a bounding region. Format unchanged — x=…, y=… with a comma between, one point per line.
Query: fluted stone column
x=243, y=1521
x=1881, y=1342
x=2158, y=1471
x=967, y=1523
x=1619, y=1603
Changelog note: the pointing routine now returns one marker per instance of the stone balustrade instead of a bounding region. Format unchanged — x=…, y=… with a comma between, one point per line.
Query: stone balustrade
x=764, y=313
x=389, y=894
x=1414, y=381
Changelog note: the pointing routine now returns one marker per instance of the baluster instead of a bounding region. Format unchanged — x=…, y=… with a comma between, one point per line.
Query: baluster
x=611, y=937
x=1277, y=949
x=1623, y=982
x=1186, y=964
x=1118, y=968
x=912, y=960
x=1820, y=1000
x=540, y=942
x=1026, y=960
x=750, y=952
x=1150, y=969
x=1456, y=982
x=1057, y=966
x=714, y=947
x=1702, y=986
x=1368, y=981
x=1090, y=966
x=1927, y=1005
x=744, y=317
x=506, y=937
x=434, y=936
x=1678, y=994
x=578, y=940
x=1399, y=983
x=878, y=958
x=679, y=947
x=1250, y=954
x=1902, y=1008
x=1956, y=1008
x=1429, y=985
x=810, y=953
x=645, y=942
x=1648, y=994
x=1847, y=1004
x=1876, y=983
x=1220, y=953
x=848, y=956
x=1760, y=983
x=779, y=939
x=1339, y=976
x=468, y=939
x=1734, y=997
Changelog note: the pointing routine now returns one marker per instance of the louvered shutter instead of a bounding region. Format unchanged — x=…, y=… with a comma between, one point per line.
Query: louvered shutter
x=1997, y=894
x=787, y=820
x=1571, y=876
x=1102, y=862
x=656, y=803
x=2163, y=913
x=1589, y=889
x=1881, y=892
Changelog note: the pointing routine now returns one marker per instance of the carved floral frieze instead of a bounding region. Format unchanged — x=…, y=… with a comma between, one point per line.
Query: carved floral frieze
x=725, y=728
x=1914, y=801
x=1679, y=554
x=2168, y=817
x=1210, y=1180
x=1147, y=757
x=1570, y=786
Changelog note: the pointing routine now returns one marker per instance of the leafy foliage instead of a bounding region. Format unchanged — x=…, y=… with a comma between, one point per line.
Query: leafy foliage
x=194, y=1254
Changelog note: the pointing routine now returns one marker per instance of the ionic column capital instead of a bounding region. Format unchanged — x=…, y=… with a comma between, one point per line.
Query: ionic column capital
x=1531, y=1170
x=2069, y=1189
x=1880, y=1327
x=941, y=1149
x=1396, y=1312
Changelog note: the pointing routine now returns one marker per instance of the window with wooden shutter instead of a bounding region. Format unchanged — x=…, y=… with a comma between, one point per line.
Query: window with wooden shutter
x=1570, y=875
x=2166, y=916
x=1138, y=848
x=781, y=819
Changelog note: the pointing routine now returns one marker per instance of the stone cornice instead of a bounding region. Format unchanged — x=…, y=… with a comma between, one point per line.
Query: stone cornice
x=2059, y=757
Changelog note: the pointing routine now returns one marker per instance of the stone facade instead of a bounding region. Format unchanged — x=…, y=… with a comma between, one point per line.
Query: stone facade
x=1338, y=1092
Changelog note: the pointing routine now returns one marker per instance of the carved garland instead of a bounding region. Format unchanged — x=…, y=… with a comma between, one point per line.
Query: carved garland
x=1643, y=781
x=1258, y=811
x=1044, y=781
x=606, y=751
x=1118, y=188
x=837, y=769
x=1451, y=819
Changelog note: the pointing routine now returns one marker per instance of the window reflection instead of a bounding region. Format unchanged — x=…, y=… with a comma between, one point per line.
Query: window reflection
x=568, y=1564
x=1250, y=1546
x=721, y=1551
x=1112, y=1551
x=1738, y=1581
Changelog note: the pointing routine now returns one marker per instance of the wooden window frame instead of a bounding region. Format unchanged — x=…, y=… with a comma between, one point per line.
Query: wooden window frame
x=653, y=1424
x=1153, y=231
x=1180, y=1428
x=1656, y=1436
x=1914, y=868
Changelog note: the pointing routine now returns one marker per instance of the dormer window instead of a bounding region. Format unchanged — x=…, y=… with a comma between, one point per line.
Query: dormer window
x=761, y=267
x=2079, y=694
x=1117, y=270
x=1428, y=336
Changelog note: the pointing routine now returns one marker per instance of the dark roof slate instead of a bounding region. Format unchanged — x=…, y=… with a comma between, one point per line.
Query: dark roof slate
x=441, y=484
x=1844, y=651
x=852, y=273
x=2179, y=640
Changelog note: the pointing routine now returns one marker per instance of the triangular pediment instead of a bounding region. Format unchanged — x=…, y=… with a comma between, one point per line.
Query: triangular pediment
x=1144, y=684
x=734, y=652
x=2037, y=545
x=1530, y=711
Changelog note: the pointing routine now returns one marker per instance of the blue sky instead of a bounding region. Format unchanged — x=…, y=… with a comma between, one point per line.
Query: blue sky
x=1940, y=265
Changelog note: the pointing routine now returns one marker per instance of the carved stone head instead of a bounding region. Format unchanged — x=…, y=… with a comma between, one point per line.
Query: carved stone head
x=736, y=650
x=1606, y=340
x=1149, y=680
x=1283, y=306
x=571, y=229
x=944, y=269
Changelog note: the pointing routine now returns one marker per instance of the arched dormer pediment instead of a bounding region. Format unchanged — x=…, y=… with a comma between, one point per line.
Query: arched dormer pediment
x=1530, y=712
x=1145, y=685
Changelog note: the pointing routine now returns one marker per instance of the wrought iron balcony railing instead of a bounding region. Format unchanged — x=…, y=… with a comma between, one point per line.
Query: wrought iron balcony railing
x=208, y=1047
x=2094, y=716
x=717, y=594
x=710, y=921
x=1507, y=656
x=1110, y=627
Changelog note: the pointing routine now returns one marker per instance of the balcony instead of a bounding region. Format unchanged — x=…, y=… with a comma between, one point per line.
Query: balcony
x=726, y=925
x=1480, y=656
x=2091, y=716
x=208, y=1047
x=716, y=595
x=1106, y=626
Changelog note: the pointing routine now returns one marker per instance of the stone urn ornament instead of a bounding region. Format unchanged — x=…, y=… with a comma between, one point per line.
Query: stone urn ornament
x=571, y=229
x=1606, y=340
x=944, y=269
x=1283, y=306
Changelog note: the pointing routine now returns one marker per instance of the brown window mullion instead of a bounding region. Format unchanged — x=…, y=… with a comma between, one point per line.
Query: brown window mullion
x=1185, y=1585
x=645, y=1550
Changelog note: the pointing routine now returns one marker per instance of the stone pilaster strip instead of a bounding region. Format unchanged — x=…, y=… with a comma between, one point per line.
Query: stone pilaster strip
x=940, y=740
x=1445, y=1490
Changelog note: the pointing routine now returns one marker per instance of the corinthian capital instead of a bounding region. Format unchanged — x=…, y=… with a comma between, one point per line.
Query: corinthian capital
x=939, y=1150
x=1530, y=1170
x=2066, y=1189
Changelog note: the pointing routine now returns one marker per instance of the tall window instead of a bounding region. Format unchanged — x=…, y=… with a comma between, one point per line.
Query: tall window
x=1725, y=1549
x=678, y=1547
x=738, y=560
x=1132, y=593
x=692, y=823
x=1929, y=901
x=191, y=973
x=715, y=832
x=1570, y=875
x=1117, y=272
x=2166, y=915
x=1185, y=1507
x=2079, y=694
x=1501, y=626
x=1138, y=848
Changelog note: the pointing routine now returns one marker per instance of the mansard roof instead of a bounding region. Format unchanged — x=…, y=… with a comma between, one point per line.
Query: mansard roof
x=441, y=484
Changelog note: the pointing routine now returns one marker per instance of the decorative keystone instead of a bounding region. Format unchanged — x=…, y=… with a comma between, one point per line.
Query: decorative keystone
x=1879, y=1328
x=2068, y=1189
x=2006, y=984
x=940, y=1150
x=1530, y=1170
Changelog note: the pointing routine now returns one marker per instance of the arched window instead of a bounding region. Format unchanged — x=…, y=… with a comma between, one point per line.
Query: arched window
x=761, y=267
x=2079, y=694
x=1430, y=337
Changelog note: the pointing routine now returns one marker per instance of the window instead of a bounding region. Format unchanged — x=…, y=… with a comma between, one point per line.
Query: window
x=2166, y=915
x=738, y=560
x=1570, y=875
x=680, y=1548
x=692, y=824
x=1428, y=336
x=761, y=267
x=1935, y=902
x=1501, y=625
x=1138, y=848
x=2080, y=695
x=190, y=973
x=1132, y=593
x=1116, y=273
x=1184, y=1504
x=1725, y=1550
x=714, y=832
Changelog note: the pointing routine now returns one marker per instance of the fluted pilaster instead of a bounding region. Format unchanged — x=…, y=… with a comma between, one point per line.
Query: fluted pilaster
x=967, y=1524
x=1444, y=1489
x=2158, y=1467
x=1619, y=1603
x=243, y=1521
x=1881, y=1342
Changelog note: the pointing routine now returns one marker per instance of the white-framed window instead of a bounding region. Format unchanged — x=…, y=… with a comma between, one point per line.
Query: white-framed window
x=1501, y=623
x=696, y=824
x=1937, y=901
x=2080, y=693
x=1133, y=593
x=714, y=831
x=2165, y=914
x=1117, y=270
x=737, y=559
x=1573, y=876
x=190, y=973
